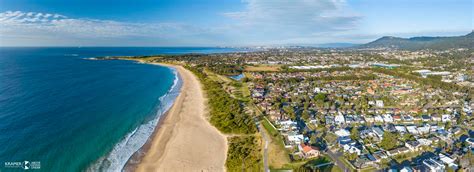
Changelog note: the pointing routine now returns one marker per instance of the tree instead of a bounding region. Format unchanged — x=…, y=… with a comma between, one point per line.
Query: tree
x=389, y=141
x=354, y=133
x=350, y=156
x=408, y=137
x=313, y=139
x=305, y=115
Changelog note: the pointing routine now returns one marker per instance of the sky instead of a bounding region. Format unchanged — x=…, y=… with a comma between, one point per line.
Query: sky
x=226, y=22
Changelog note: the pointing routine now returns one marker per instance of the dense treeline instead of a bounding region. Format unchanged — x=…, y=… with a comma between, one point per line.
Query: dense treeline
x=227, y=69
x=226, y=112
x=244, y=154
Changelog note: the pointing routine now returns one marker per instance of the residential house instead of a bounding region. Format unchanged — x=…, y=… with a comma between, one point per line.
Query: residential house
x=369, y=118
x=387, y=118
x=378, y=131
x=448, y=161
x=308, y=151
x=378, y=118
x=379, y=103
x=339, y=119
x=436, y=117
x=446, y=118
x=364, y=161
x=425, y=118
x=433, y=165
x=351, y=148
x=295, y=138
x=413, y=145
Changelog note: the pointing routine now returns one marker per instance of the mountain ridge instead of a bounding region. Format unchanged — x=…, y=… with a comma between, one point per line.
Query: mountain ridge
x=423, y=42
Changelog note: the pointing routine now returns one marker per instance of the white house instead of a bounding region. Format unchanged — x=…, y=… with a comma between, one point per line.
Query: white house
x=412, y=130
x=425, y=142
x=436, y=117
x=342, y=133
x=434, y=165
x=413, y=145
x=400, y=129
x=352, y=149
x=446, y=118
x=378, y=118
x=424, y=129
x=369, y=118
x=387, y=118
x=295, y=138
x=379, y=103
x=339, y=119
x=287, y=125
x=378, y=131
x=448, y=160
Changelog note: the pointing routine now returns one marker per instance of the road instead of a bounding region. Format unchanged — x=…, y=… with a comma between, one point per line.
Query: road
x=265, y=148
x=337, y=162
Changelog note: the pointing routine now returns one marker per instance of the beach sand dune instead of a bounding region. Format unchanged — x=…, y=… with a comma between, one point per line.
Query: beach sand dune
x=185, y=140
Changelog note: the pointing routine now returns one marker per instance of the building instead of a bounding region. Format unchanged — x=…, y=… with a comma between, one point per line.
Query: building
x=378, y=131
x=433, y=165
x=388, y=66
x=388, y=118
x=339, y=119
x=413, y=145
x=295, y=138
x=448, y=161
x=308, y=151
x=379, y=103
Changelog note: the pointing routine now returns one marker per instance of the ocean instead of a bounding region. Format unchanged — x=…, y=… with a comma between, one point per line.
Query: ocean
x=61, y=112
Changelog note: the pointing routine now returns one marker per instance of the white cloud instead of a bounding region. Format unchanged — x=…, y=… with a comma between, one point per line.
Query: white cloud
x=296, y=17
x=261, y=22
x=46, y=26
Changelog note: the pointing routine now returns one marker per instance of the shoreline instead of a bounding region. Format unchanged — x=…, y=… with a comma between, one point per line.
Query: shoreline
x=183, y=138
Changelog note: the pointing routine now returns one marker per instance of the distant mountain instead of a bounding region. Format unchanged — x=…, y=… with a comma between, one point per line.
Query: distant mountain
x=416, y=43
x=336, y=45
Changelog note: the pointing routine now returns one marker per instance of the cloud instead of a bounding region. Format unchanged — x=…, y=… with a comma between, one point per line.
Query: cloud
x=47, y=26
x=260, y=22
x=295, y=17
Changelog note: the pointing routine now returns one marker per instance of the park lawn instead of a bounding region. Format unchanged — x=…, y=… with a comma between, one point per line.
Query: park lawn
x=407, y=156
x=262, y=68
x=268, y=126
x=315, y=161
x=277, y=154
x=245, y=90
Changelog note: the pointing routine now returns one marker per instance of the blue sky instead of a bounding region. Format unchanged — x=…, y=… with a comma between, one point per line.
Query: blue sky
x=226, y=23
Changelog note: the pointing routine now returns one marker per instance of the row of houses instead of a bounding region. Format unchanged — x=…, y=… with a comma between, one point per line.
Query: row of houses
x=341, y=119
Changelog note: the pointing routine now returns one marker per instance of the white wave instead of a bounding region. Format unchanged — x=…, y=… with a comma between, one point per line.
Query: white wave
x=91, y=58
x=133, y=141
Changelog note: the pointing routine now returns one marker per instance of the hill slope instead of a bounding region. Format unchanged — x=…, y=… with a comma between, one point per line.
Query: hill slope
x=415, y=43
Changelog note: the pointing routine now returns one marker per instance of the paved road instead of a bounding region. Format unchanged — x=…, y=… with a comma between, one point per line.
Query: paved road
x=265, y=149
x=265, y=152
x=337, y=162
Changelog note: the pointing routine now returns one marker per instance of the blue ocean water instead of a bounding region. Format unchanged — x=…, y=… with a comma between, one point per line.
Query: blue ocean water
x=72, y=114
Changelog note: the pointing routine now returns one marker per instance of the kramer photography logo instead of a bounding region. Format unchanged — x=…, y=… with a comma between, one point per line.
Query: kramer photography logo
x=26, y=165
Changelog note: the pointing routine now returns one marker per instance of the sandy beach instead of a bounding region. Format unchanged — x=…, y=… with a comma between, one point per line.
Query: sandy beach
x=184, y=139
